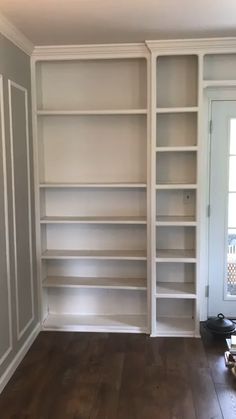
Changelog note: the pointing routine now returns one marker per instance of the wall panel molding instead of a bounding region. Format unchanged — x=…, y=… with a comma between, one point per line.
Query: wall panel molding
x=13, y=85
x=5, y=197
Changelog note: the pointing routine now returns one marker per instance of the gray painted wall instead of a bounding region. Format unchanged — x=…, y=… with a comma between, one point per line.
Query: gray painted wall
x=22, y=298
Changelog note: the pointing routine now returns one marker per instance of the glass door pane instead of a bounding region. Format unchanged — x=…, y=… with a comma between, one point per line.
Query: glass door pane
x=231, y=249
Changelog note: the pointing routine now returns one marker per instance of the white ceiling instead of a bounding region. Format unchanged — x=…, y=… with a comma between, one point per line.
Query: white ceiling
x=106, y=21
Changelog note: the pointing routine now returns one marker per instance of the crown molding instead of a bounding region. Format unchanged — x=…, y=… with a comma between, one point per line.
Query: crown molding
x=58, y=52
x=200, y=45
x=14, y=35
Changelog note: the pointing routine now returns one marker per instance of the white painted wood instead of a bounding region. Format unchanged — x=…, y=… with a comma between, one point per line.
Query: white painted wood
x=174, y=109
x=93, y=185
x=92, y=112
x=176, y=221
x=184, y=273
x=176, y=255
x=175, y=149
x=83, y=323
x=176, y=186
x=84, y=150
x=175, y=290
x=177, y=130
x=91, y=301
x=173, y=74
x=93, y=220
x=219, y=67
x=95, y=254
x=94, y=202
x=102, y=268
x=89, y=51
x=176, y=167
x=175, y=327
x=23, y=262
x=95, y=236
x=95, y=282
x=176, y=203
x=219, y=83
x=92, y=85
x=6, y=345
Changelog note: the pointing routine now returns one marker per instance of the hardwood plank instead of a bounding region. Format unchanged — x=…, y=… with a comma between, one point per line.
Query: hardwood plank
x=205, y=397
x=120, y=376
x=227, y=398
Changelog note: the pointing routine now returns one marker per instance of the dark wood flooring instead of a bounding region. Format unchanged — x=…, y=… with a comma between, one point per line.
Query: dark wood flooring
x=120, y=376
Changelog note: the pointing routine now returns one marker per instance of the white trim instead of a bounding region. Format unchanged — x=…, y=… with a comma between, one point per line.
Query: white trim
x=18, y=358
x=22, y=89
x=4, y=356
x=198, y=45
x=15, y=35
x=103, y=51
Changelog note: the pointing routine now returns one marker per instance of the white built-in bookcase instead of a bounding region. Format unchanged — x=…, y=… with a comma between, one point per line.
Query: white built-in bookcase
x=120, y=201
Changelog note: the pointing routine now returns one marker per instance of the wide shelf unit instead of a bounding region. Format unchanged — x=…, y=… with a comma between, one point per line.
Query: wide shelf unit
x=92, y=142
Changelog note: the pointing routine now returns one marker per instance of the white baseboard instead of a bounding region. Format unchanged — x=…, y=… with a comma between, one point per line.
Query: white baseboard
x=19, y=356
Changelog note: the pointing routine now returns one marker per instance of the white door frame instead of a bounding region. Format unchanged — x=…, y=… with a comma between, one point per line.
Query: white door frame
x=210, y=95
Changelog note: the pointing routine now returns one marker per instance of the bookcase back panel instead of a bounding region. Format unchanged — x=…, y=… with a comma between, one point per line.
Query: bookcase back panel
x=96, y=237
x=100, y=302
x=96, y=268
x=176, y=129
x=92, y=84
x=175, y=272
x=177, y=84
x=175, y=238
x=220, y=67
x=94, y=202
x=169, y=307
x=93, y=149
x=176, y=203
x=176, y=167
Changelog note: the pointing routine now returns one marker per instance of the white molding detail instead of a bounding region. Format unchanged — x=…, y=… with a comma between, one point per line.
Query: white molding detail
x=25, y=92
x=19, y=356
x=8, y=351
x=103, y=51
x=200, y=45
x=14, y=35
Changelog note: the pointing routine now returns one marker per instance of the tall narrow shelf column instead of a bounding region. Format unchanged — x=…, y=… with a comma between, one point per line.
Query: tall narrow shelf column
x=174, y=192
x=92, y=141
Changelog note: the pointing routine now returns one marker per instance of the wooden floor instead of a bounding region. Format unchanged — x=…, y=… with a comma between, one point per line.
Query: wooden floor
x=100, y=376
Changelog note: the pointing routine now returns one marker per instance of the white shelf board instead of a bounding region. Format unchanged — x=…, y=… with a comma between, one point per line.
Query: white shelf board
x=175, y=326
x=95, y=282
x=176, y=186
x=95, y=254
x=93, y=185
x=176, y=149
x=219, y=83
x=88, y=112
x=93, y=220
x=175, y=290
x=175, y=255
x=175, y=221
x=96, y=323
x=177, y=109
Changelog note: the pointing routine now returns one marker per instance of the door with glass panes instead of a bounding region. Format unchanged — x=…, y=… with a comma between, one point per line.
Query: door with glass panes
x=222, y=222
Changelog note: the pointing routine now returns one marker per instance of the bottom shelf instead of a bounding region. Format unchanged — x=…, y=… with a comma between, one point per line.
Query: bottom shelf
x=92, y=323
x=175, y=326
